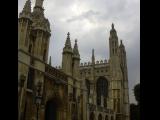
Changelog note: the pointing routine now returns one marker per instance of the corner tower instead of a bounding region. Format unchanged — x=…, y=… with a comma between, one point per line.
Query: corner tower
x=40, y=33
x=76, y=61
x=67, y=56
x=116, y=75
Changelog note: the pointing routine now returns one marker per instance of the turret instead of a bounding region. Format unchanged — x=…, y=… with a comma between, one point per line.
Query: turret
x=41, y=32
x=24, y=26
x=26, y=12
x=122, y=54
x=76, y=61
x=115, y=72
x=67, y=56
x=113, y=42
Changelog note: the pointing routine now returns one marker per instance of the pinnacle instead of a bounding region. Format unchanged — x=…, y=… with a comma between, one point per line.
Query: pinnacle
x=121, y=41
x=27, y=6
x=75, y=50
x=68, y=42
x=112, y=25
x=92, y=52
x=68, y=34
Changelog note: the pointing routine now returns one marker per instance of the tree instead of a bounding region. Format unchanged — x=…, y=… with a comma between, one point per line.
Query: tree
x=137, y=93
x=135, y=109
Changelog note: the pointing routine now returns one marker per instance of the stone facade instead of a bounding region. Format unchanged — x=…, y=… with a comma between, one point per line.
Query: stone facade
x=97, y=90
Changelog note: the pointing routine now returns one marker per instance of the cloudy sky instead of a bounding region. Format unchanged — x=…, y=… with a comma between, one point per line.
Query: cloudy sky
x=90, y=22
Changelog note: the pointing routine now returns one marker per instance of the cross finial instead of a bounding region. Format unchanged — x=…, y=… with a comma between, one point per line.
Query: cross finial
x=68, y=33
x=112, y=26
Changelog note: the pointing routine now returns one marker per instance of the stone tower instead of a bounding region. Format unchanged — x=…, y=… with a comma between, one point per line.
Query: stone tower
x=76, y=61
x=33, y=42
x=40, y=33
x=67, y=56
x=119, y=82
x=115, y=72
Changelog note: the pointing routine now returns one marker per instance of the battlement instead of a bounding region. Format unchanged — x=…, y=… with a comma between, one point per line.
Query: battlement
x=100, y=62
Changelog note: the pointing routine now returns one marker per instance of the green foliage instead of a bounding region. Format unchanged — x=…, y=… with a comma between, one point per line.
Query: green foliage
x=137, y=93
x=135, y=109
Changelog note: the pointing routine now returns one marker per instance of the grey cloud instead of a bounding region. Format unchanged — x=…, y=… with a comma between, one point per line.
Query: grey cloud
x=90, y=15
x=125, y=14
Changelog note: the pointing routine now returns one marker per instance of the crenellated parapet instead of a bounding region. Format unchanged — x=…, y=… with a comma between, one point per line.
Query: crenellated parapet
x=100, y=67
x=97, y=63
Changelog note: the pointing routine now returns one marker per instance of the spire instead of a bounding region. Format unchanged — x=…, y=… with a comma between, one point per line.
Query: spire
x=121, y=41
x=26, y=9
x=112, y=26
x=68, y=42
x=121, y=44
x=27, y=6
x=93, y=57
x=113, y=32
x=92, y=53
x=75, y=49
x=50, y=61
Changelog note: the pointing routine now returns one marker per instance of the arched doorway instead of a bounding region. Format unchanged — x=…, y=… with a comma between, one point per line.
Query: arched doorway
x=112, y=118
x=102, y=90
x=91, y=117
x=99, y=117
x=51, y=110
x=106, y=118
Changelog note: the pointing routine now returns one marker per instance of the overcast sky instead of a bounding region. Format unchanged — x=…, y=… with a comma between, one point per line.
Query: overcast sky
x=90, y=22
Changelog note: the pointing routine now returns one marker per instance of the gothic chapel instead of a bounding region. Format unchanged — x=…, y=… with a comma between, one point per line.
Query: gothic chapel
x=97, y=90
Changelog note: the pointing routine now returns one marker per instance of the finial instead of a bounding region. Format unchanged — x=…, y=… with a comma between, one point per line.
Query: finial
x=76, y=41
x=68, y=34
x=68, y=42
x=93, y=51
x=121, y=41
x=112, y=26
x=75, y=45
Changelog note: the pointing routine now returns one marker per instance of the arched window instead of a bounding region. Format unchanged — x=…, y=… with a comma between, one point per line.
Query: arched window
x=88, y=86
x=106, y=118
x=74, y=94
x=118, y=105
x=30, y=48
x=44, y=55
x=102, y=90
x=91, y=117
x=30, y=78
x=99, y=117
x=112, y=118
